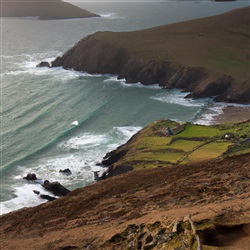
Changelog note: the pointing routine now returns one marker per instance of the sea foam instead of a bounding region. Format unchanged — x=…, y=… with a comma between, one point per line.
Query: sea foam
x=79, y=153
x=177, y=97
x=111, y=16
x=25, y=197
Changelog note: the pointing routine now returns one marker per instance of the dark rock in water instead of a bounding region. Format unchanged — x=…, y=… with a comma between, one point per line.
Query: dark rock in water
x=65, y=171
x=43, y=64
x=30, y=177
x=98, y=164
x=36, y=192
x=96, y=175
x=56, y=188
x=47, y=197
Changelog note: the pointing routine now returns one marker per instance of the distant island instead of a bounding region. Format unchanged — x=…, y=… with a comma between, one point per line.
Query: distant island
x=44, y=10
x=208, y=57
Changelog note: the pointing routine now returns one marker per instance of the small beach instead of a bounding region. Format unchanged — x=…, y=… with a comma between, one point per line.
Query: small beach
x=233, y=114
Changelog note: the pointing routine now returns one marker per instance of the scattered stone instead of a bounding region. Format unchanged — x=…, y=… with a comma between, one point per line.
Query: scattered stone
x=117, y=238
x=36, y=192
x=43, y=64
x=96, y=176
x=149, y=239
x=30, y=177
x=47, y=197
x=65, y=171
x=175, y=228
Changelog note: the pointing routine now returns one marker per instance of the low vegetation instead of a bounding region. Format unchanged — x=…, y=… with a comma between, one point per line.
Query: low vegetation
x=152, y=147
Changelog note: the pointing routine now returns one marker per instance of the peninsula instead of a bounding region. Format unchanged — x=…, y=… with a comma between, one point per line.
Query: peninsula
x=44, y=10
x=208, y=57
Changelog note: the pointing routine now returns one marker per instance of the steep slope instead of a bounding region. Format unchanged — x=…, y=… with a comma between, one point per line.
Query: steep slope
x=169, y=206
x=45, y=10
x=207, y=57
x=140, y=208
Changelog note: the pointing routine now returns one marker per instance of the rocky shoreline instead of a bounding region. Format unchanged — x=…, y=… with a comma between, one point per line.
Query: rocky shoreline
x=211, y=63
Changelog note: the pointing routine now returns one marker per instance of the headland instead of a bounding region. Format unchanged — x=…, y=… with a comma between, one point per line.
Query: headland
x=207, y=57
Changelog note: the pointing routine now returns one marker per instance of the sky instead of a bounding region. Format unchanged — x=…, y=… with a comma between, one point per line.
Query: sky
x=127, y=0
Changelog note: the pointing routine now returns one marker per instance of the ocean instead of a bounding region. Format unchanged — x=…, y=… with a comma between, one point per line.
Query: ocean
x=38, y=105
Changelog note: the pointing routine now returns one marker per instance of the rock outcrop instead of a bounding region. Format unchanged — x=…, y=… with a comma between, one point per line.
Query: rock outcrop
x=30, y=177
x=206, y=57
x=56, y=188
x=44, y=10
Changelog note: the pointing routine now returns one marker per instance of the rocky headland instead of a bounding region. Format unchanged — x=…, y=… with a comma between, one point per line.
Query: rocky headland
x=207, y=57
x=187, y=190
x=44, y=10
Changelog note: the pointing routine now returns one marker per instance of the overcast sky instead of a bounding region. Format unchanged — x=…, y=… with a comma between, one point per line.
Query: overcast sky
x=113, y=0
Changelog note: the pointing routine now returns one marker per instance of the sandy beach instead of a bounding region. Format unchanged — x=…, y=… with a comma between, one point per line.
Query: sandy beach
x=233, y=114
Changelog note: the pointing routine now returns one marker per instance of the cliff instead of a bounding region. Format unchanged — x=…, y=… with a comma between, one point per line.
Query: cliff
x=208, y=57
x=45, y=10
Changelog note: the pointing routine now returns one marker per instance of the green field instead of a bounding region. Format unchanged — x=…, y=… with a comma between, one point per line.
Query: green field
x=189, y=143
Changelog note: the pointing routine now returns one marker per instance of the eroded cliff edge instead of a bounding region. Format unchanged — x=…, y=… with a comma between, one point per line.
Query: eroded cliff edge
x=207, y=57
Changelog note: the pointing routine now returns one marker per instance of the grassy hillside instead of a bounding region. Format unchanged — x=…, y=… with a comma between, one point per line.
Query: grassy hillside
x=190, y=143
x=219, y=43
x=208, y=57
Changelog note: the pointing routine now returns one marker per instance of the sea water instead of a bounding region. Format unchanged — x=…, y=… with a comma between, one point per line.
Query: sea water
x=38, y=105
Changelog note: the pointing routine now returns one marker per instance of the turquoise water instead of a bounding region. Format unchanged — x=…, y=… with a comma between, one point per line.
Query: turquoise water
x=38, y=105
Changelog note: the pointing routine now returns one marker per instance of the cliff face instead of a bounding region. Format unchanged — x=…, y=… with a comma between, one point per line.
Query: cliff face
x=207, y=57
x=45, y=10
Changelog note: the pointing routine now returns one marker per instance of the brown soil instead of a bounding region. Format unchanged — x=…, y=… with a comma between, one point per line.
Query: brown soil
x=87, y=218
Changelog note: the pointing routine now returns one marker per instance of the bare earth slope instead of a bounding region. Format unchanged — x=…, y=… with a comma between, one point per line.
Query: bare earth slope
x=120, y=212
x=45, y=10
x=207, y=57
